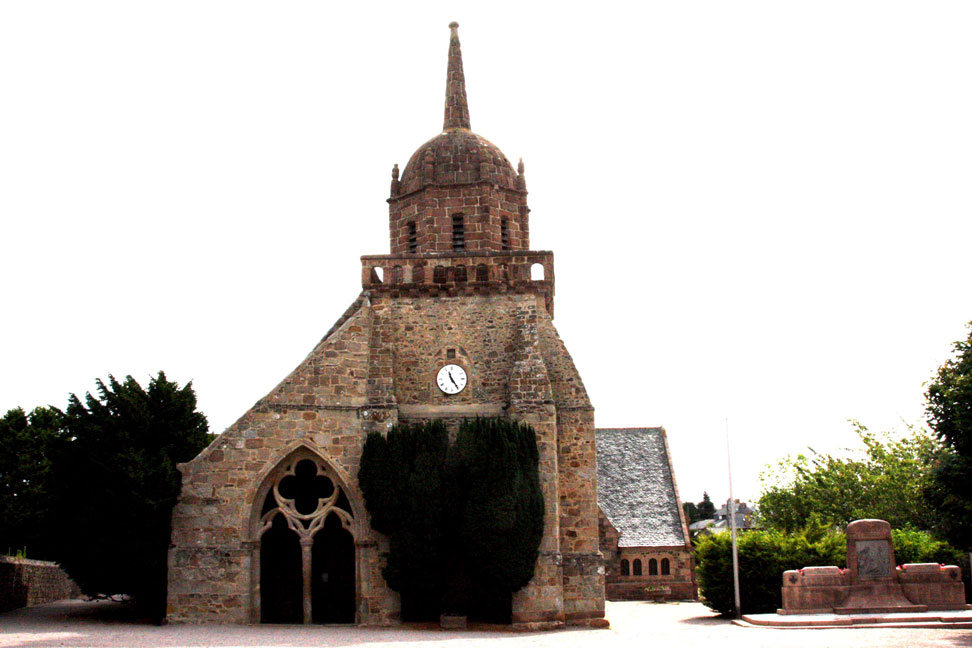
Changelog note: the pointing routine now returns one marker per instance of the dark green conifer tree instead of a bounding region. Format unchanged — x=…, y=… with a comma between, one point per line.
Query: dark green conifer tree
x=499, y=512
x=401, y=478
x=464, y=521
x=115, y=483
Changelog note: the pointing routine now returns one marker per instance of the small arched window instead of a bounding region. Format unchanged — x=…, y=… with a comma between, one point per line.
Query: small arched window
x=666, y=567
x=652, y=567
x=625, y=571
x=536, y=272
x=459, y=272
x=440, y=274
x=636, y=567
x=482, y=272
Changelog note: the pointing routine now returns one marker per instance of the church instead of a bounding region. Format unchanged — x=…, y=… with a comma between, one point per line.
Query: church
x=456, y=322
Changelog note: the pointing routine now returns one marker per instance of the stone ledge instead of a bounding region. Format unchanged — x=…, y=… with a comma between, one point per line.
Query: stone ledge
x=956, y=619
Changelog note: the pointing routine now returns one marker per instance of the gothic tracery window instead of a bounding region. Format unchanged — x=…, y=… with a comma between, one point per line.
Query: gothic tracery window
x=306, y=547
x=305, y=496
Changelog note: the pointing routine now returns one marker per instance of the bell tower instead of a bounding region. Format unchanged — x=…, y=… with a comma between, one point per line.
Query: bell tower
x=458, y=216
x=458, y=192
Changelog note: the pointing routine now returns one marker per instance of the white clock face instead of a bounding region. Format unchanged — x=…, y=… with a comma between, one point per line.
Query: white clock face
x=451, y=379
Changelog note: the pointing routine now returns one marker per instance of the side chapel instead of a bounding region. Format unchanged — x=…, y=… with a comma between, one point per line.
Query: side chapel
x=456, y=322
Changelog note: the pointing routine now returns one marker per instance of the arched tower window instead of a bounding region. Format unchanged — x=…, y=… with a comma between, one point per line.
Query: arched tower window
x=652, y=567
x=666, y=567
x=625, y=570
x=505, y=233
x=458, y=233
x=412, y=238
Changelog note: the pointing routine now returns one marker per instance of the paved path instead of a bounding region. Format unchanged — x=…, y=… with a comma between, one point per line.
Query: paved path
x=641, y=625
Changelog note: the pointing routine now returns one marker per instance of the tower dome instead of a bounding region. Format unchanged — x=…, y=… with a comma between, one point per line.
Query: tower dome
x=454, y=157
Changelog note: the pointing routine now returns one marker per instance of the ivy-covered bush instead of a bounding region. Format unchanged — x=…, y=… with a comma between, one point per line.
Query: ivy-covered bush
x=464, y=521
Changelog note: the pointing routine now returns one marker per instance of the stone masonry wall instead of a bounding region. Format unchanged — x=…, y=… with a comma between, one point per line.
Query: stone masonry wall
x=483, y=206
x=377, y=366
x=583, y=562
x=321, y=407
x=679, y=584
x=26, y=582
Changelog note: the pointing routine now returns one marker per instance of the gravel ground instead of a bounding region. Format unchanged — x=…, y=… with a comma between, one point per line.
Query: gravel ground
x=680, y=625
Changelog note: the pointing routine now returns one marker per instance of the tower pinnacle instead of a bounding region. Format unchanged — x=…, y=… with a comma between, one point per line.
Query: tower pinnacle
x=456, y=107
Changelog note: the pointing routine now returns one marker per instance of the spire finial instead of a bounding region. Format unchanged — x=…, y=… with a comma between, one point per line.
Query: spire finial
x=456, y=107
x=396, y=185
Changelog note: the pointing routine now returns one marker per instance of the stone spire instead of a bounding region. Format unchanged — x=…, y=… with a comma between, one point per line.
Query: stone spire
x=456, y=107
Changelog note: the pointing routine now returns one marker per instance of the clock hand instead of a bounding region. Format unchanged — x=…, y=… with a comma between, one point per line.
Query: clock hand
x=452, y=379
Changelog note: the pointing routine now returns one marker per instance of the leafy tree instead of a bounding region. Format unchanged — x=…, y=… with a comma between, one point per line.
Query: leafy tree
x=115, y=483
x=706, y=508
x=948, y=406
x=691, y=512
x=25, y=472
x=464, y=521
x=886, y=482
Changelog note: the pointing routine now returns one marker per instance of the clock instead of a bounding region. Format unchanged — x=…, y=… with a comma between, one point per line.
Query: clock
x=451, y=379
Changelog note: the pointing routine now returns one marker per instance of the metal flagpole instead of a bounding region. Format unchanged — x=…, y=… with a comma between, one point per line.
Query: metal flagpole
x=731, y=509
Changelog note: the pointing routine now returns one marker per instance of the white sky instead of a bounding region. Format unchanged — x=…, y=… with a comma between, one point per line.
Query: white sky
x=760, y=210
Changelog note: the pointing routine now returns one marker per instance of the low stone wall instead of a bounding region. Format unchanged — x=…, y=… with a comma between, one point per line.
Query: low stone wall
x=31, y=582
x=643, y=591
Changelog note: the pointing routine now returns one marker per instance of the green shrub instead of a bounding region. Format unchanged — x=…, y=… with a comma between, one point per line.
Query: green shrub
x=763, y=557
x=912, y=546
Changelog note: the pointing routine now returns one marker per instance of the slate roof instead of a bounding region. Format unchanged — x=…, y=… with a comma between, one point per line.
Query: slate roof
x=635, y=487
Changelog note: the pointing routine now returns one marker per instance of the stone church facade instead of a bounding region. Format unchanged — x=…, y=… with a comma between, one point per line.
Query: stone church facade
x=271, y=525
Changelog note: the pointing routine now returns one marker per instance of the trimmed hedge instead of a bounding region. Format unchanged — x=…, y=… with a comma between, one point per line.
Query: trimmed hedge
x=765, y=555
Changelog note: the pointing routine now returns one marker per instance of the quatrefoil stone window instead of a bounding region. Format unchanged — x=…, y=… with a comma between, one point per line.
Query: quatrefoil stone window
x=305, y=495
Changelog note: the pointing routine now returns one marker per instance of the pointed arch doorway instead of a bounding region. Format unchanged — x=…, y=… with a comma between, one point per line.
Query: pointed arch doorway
x=306, y=545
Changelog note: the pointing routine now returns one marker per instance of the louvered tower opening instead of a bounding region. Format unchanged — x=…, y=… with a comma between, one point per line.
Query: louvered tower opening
x=412, y=238
x=458, y=233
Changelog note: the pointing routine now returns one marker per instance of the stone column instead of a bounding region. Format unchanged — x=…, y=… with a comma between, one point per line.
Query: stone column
x=306, y=546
